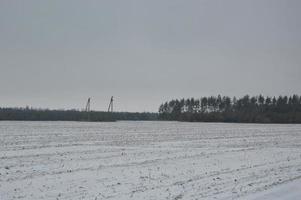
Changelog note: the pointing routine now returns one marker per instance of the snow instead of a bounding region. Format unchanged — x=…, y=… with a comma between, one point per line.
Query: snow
x=289, y=191
x=149, y=160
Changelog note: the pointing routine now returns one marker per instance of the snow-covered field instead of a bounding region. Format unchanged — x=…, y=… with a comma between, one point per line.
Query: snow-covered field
x=149, y=160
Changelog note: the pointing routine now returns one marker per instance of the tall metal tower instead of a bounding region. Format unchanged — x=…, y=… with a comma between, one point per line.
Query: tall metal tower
x=110, y=109
x=88, y=105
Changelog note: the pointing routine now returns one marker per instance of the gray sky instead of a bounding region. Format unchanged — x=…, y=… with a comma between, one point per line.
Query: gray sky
x=58, y=53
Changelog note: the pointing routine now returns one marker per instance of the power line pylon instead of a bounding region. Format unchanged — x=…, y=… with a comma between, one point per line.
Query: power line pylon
x=88, y=105
x=110, y=109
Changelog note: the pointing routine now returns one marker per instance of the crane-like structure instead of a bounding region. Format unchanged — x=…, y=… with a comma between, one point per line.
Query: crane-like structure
x=88, y=105
x=110, y=109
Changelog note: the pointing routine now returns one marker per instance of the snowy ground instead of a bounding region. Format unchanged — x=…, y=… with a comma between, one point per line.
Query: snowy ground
x=290, y=190
x=149, y=160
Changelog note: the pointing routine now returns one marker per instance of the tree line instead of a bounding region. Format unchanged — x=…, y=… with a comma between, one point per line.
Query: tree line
x=247, y=109
x=255, y=109
x=31, y=114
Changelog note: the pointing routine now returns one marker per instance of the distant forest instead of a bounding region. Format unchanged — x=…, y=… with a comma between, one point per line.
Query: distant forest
x=29, y=114
x=256, y=109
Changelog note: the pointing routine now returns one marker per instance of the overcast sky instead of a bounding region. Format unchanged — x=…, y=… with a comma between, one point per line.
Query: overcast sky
x=58, y=53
